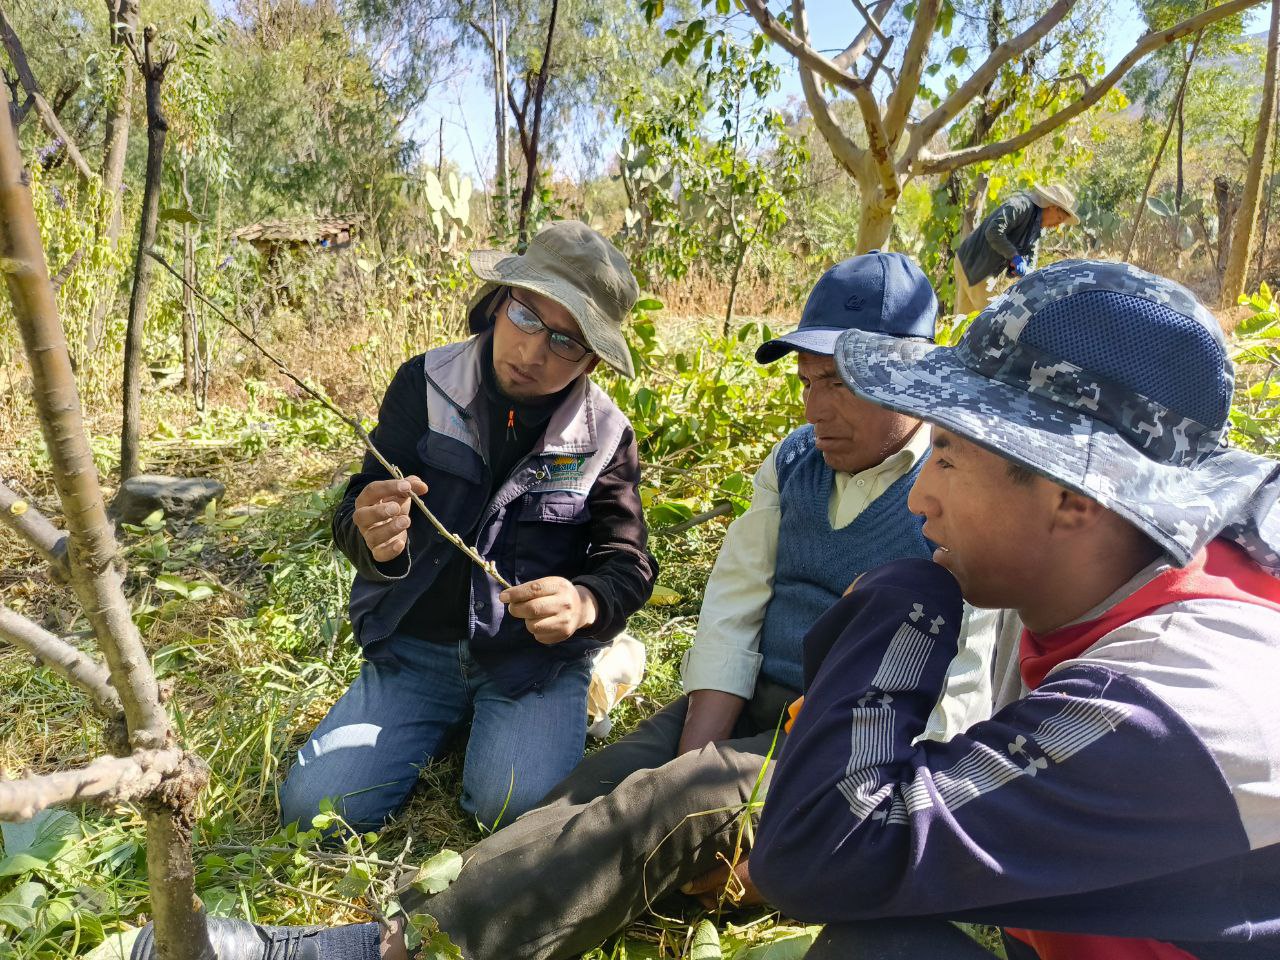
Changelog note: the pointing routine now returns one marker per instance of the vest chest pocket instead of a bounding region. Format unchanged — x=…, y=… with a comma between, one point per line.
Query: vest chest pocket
x=551, y=535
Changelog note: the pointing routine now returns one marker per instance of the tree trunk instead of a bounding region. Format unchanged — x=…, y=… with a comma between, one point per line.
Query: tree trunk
x=96, y=572
x=190, y=332
x=157, y=130
x=1233, y=283
x=500, y=114
x=875, y=219
x=531, y=154
x=733, y=287
x=123, y=23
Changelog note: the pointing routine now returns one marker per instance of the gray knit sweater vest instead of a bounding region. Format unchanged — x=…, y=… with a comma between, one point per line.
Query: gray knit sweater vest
x=815, y=563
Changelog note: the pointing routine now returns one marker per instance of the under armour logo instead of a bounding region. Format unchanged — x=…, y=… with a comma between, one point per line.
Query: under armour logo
x=875, y=698
x=1028, y=750
x=855, y=302
x=917, y=611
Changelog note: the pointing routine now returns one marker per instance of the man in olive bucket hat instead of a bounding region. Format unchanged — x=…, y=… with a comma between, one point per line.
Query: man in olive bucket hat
x=515, y=449
x=1008, y=242
x=1123, y=800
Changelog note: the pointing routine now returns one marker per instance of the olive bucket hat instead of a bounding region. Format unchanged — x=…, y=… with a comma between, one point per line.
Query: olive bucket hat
x=1108, y=380
x=580, y=270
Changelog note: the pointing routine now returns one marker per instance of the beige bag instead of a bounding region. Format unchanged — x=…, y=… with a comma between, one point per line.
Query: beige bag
x=616, y=671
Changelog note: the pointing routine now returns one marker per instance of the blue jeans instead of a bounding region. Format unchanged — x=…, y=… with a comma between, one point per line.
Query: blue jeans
x=366, y=753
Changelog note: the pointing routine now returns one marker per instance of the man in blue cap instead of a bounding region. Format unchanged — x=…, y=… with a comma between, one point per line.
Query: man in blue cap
x=662, y=809
x=1122, y=800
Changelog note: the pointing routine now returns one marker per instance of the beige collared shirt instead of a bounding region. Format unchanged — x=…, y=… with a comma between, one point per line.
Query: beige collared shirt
x=726, y=649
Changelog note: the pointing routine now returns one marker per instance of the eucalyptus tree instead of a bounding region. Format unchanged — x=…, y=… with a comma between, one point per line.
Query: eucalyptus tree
x=904, y=133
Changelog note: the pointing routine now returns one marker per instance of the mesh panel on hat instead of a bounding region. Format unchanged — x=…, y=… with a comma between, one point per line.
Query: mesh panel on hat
x=1158, y=352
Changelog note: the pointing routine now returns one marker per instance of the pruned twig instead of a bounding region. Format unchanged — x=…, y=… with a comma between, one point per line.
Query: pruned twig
x=105, y=780
x=63, y=659
x=354, y=423
x=719, y=510
x=30, y=524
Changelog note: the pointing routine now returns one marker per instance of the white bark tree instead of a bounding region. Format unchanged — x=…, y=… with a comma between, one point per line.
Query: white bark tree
x=901, y=144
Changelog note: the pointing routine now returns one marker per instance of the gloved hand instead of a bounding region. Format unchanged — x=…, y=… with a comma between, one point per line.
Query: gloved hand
x=1018, y=267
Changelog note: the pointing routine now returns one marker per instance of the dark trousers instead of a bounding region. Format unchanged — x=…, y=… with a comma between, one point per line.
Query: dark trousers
x=908, y=939
x=632, y=823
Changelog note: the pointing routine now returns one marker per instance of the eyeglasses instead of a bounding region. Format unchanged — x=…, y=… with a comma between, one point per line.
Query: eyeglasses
x=561, y=344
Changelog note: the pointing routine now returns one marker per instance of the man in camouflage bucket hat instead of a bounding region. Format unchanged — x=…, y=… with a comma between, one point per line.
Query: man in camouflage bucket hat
x=516, y=450
x=1123, y=801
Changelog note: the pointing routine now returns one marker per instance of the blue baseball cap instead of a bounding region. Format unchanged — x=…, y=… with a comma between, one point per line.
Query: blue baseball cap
x=876, y=292
x=1108, y=380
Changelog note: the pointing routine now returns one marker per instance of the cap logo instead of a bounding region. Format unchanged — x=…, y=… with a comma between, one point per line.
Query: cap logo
x=855, y=302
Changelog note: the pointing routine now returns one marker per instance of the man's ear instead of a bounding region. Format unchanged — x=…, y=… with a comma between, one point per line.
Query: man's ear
x=1074, y=511
x=592, y=364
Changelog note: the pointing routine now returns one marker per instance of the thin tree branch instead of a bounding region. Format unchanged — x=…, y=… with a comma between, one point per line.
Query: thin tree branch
x=1164, y=142
x=804, y=53
x=847, y=153
x=106, y=780
x=950, y=108
x=942, y=163
x=50, y=119
x=30, y=524
x=898, y=107
x=850, y=55
x=63, y=659
x=486, y=565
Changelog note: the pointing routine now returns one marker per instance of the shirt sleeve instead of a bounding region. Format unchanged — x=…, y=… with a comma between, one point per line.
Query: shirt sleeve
x=1064, y=791
x=725, y=653
x=402, y=422
x=620, y=571
x=1007, y=216
x=966, y=692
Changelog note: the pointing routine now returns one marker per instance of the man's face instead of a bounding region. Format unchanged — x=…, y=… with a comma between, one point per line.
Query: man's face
x=526, y=366
x=1053, y=217
x=991, y=529
x=852, y=434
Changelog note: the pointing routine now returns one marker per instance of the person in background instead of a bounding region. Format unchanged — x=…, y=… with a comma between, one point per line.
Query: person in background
x=1007, y=242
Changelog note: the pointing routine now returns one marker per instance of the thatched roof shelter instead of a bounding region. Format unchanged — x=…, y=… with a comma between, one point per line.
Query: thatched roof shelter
x=271, y=237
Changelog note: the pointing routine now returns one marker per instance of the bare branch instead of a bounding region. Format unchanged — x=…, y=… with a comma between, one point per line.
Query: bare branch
x=847, y=153
x=850, y=55
x=356, y=426
x=63, y=659
x=942, y=163
x=898, y=107
x=950, y=108
x=68, y=268
x=32, y=525
x=106, y=780
x=18, y=56
x=805, y=54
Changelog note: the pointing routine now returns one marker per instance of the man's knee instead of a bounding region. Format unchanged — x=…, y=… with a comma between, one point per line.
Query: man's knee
x=303, y=791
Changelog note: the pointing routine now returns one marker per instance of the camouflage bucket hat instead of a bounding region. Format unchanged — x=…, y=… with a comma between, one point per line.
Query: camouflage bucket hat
x=1106, y=379
x=580, y=270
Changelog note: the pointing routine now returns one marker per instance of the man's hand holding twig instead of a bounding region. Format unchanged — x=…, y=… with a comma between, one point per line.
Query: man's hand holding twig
x=382, y=515
x=552, y=608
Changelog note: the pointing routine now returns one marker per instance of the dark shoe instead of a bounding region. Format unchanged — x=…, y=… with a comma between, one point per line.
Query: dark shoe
x=241, y=940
